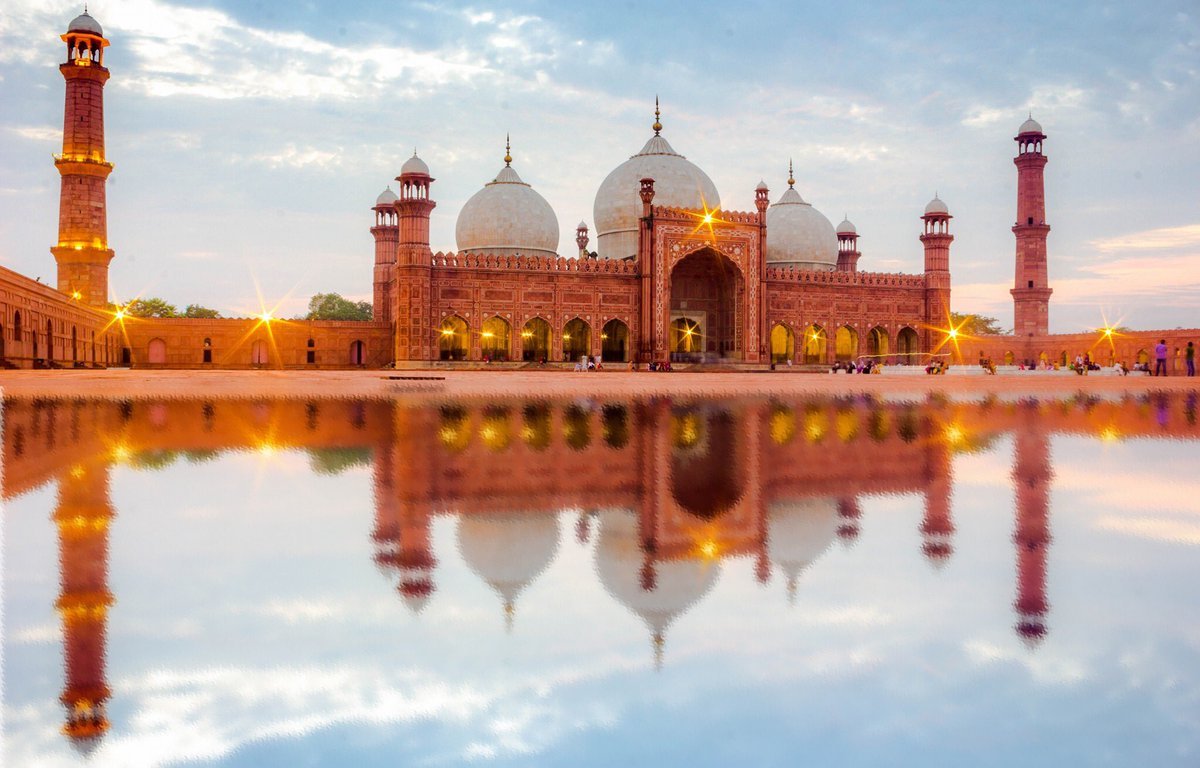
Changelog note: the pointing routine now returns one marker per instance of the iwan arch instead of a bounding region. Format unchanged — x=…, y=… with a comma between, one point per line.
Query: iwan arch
x=670, y=280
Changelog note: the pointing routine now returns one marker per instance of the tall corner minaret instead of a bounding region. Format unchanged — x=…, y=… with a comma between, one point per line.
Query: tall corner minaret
x=1032, y=475
x=82, y=250
x=413, y=301
x=848, y=253
x=1031, y=292
x=936, y=239
x=387, y=240
x=83, y=515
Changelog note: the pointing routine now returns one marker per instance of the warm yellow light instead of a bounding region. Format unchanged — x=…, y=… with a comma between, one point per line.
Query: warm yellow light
x=708, y=218
x=709, y=549
x=953, y=434
x=119, y=314
x=267, y=450
x=447, y=331
x=266, y=317
x=488, y=334
x=1110, y=435
x=526, y=334
x=120, y=453
x=566, y=337
x=77, y=472
x=1108, y=331
x=76, y=295
x=952, y=333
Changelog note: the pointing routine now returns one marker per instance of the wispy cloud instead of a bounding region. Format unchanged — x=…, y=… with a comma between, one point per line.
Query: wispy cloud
x=1166, y=238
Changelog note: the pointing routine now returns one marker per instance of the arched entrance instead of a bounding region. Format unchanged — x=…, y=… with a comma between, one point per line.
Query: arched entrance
x=358, y=352
x=877, y=343
x=705, y=461
x=783, y=344
x=258, y=352
x=577, y=340
x=453, y=339
x=908, y=346
x=846, y=344
x=707, y=290
x=50, y=341
x=614, y=342
x=495, y=339
x=816, y=344
x=74, y=344
x=157, y=352
x=1009, y=358
x=535, y=341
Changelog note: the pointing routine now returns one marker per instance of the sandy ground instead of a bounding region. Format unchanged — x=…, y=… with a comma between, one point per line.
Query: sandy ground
x=556, y=384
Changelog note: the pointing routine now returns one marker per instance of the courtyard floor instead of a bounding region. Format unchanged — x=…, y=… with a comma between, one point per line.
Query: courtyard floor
x=558, y=384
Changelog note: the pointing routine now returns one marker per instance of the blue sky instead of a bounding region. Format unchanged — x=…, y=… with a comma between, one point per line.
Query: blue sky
x=250, y=139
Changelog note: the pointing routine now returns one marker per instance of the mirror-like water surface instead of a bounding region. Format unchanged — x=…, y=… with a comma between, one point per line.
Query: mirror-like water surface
x=515, y=582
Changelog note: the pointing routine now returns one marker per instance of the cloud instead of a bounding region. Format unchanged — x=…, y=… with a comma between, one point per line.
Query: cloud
x=38, y=132
x=1166, y=238
x=1153, y=528
x=292, y=156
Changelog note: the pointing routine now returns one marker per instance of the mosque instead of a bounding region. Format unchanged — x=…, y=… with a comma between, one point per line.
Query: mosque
x=674, y=276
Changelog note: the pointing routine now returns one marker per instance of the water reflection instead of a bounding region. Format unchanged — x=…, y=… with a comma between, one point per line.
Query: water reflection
x=670, y=492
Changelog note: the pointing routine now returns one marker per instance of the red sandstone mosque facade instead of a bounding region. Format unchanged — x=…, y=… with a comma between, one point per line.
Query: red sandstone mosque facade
x=674, y=277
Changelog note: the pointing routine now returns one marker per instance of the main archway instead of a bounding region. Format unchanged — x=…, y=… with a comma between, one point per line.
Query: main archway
x=706, y=292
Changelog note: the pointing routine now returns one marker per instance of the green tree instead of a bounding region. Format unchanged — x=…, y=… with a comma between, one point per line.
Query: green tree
x=976, y=325
x=153, y=307
x=195, y=310
x=331, y=306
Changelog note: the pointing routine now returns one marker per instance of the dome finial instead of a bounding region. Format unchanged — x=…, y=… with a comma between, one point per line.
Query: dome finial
x=791, y=176
x=507, y=150
x=657, y=114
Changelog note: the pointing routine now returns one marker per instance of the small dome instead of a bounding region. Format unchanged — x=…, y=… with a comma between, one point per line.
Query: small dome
x=800, y=235
x=1030, y=126
x=677, y=183
x=762, y=187
x=85, y=23
x=507, y=217
x=582, y=225
x=386, y=197
x=508, y=550
x=846, y=228
x=936, y=206
x=414, y=165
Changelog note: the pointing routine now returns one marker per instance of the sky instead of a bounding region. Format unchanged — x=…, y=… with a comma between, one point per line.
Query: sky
x=250, y=139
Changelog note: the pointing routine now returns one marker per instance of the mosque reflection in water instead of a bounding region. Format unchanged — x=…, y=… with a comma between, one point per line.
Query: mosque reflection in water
x=668, y=489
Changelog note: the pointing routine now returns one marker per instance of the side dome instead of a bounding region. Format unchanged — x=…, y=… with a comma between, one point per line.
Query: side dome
x=846, y=228
x=798, y=234
x=507, y=217
x=618, y=207
x=1030, y=126
x=414, y=165
x=85, y=23
x=936, y=206
x=386, y=197
x=508, y=550
x=799, y=532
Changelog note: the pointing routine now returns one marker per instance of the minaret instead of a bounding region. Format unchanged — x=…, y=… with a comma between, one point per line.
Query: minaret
x=1031, y=478
x=937, y=527
x=82, y=251
x=387, y=239
x=1031, y=294
x=83, y=515
x=937, y=239
x=848, y=252
x=581, y=239
x=414, y=264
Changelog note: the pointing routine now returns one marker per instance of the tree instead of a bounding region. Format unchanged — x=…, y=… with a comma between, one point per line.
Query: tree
x=976, y=325
x=153, y=307
x=331, y=306
x=195, y=310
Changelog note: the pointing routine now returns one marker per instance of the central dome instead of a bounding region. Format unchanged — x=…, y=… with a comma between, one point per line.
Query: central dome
x=507, y=217
x=677, y=183
x=798, y=234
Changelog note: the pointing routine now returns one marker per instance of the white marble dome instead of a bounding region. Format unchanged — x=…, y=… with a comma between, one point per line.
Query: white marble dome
x=85, y=23
x=846, y=228
x=386, y=197
x=677, y=183
x=936, y=206
x=678, y=584
x=1030, y=126
x=799, y=235
x=508, y=550
x=414, y=165
x=507, y=217
x=799, y=532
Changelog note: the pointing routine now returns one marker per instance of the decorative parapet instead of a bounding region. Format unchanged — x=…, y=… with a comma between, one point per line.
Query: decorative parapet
x=533, y=263
x=864, y=279
x=719, y=217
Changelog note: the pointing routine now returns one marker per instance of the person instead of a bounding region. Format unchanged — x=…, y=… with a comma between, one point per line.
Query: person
x=1189, y=356
x=1160, y=357
x=599, y=363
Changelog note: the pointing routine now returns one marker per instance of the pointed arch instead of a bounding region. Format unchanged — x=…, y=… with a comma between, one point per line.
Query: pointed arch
x=908, y=346
x=453, y=338
x=614, y=339
x=577, y=339
x=496, y=339
x=783, y=344
x=846, y=343
x=816, y=344
x=535, y=340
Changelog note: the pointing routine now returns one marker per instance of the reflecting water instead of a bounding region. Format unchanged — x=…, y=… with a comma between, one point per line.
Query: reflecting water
x=514, y=582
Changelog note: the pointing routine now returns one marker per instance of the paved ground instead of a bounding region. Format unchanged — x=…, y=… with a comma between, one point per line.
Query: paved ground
x=554, y=384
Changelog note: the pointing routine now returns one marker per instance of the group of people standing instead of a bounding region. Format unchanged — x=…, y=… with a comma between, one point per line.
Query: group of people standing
x=1160, y=358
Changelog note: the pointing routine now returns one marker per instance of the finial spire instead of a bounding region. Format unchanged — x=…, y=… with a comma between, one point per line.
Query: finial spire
x=414, y=151
x=507, y=150
x=791, y=176
x=657, y=124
